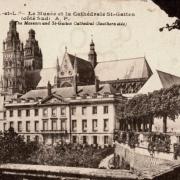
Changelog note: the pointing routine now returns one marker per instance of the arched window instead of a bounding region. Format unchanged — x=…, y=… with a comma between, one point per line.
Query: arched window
x=66, y=84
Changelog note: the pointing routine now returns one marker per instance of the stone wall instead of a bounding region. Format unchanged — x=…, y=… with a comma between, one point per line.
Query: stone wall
x=137, y=157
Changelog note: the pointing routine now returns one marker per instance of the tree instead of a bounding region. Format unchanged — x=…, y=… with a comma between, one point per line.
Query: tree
x=172, y=8
x=141, y=109
x=165, y=104
x=13, y=148
x=70, y=155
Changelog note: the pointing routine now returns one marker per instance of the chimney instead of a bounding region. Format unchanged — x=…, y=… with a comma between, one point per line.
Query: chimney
x=49, y=88
x=96, y=84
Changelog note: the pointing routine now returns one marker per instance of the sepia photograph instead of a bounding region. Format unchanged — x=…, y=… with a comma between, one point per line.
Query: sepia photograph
x=90, y=90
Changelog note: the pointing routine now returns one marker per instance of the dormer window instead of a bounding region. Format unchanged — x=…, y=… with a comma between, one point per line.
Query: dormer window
x=54, y=110
x=45, y=112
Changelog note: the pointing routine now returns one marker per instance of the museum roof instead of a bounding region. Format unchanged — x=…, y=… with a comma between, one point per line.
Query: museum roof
x=68, y=92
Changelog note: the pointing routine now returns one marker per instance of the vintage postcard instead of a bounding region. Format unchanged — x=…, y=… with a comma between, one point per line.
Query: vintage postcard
x=89, y=89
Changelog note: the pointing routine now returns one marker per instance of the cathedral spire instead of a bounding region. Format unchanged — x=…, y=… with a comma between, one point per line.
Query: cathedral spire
x=32, y=53
x=92, y=45
x=12, y=25
x=92, y=56
x=75, y=76
x=13, y=76
x=75, y=65
x=32, y=34
x=57, y=80
x=57, y=65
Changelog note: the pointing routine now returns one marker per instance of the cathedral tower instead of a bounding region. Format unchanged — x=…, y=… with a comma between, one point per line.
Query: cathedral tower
x=57, y=80
x=13, y=77
x=92, y=56
x=32, y=53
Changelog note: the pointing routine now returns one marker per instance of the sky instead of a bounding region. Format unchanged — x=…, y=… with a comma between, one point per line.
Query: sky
x=141, y=37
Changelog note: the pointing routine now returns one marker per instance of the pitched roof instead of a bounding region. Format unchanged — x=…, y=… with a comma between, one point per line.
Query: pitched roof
x=67, y=92
x=167, y=79
x=159, y=80
x=41, y=77
x=123, y=69
x=82, y=65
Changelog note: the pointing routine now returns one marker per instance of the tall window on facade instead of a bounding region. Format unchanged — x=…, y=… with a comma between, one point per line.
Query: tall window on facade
x=4, y=114
x=19, y=126
x=11, y=113
x=63, y=111
x=28, y=138
x=94, y=125
x=28, y=126
x=45, y=112
x=73, y=110
x=36, y=112
x=19, y=113
x=84, y=139
x=63, y=124
x=36, y=125
x=106, y=124
x=94, y=110
x=54, y=125
x=45, y=125
x=74, y=125
x=11, y=125
x=53, y=111
x=84, y=125
x=27, y=112
x=45, y=138
x=83, y=110
x=53, y=138
x=5, y=126
x=36, y=138
x=94, y=139
x=105, y=109
x=74, y=139
x=106, y=140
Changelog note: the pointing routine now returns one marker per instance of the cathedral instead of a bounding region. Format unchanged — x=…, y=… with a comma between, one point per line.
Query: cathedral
x=74, y=101
x=23, y=68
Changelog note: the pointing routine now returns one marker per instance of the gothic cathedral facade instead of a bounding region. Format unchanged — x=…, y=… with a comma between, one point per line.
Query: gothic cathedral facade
x=17, y=60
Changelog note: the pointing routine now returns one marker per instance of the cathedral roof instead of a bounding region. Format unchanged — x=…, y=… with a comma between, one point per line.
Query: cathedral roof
x=82, y=65
x=39, y=78
x=123, y=69
x=67, y=92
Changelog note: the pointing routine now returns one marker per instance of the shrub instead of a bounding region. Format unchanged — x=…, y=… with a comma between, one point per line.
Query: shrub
x=70, y=155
